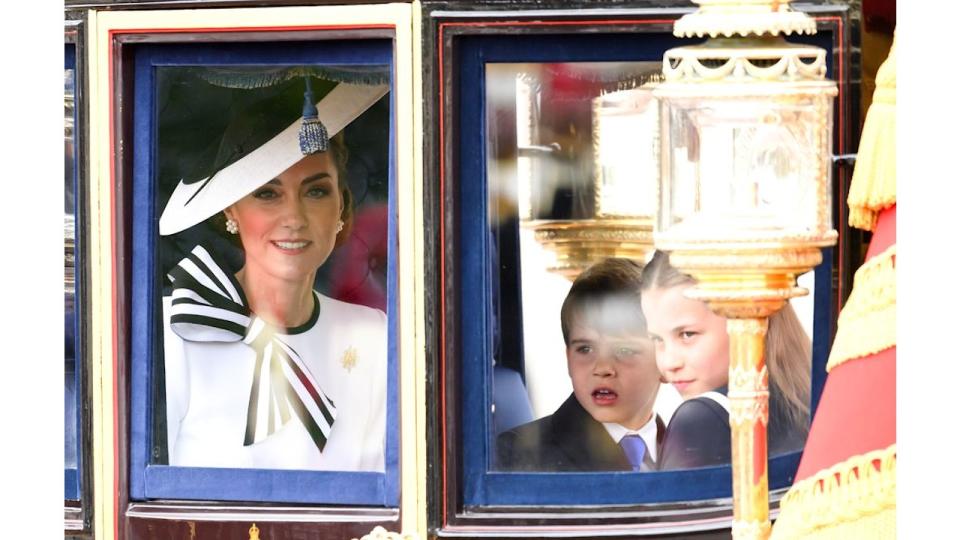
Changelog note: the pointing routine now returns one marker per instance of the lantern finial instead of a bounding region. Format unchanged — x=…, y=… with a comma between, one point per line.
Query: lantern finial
x=729, y=18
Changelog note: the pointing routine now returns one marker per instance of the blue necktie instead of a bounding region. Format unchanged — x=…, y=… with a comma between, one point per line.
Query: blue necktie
x=634, y=447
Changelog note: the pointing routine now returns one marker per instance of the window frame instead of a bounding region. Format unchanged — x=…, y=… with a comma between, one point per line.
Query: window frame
x=463, y=481
x=155, y=481
x=72, y=485
x=116, y=34
x=78, y=509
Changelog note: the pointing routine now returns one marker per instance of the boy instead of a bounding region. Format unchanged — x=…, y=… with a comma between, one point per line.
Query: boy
x=608, y=423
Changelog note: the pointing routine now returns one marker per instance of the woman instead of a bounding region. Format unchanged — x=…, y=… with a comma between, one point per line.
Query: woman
x=693, y=354
x=261, y=370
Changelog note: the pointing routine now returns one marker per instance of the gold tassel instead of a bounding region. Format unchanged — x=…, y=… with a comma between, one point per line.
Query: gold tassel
x=874, y=184
x=868, y=322
x=853, y=499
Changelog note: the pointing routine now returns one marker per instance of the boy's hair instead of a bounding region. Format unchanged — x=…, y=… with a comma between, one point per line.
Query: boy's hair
x=607, y=295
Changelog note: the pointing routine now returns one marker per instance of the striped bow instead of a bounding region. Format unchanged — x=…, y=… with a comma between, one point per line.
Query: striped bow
x=209, y=306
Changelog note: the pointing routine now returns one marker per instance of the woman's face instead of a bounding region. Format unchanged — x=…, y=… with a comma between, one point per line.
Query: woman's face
x=693, y=350
x=288, y=226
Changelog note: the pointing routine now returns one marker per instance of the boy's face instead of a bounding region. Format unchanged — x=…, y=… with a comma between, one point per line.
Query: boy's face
x=615, y=377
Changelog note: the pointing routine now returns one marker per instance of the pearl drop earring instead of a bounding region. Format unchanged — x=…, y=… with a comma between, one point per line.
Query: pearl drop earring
x=232, y=227
x=339, y=225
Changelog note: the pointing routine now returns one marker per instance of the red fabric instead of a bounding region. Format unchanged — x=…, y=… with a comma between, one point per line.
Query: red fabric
x=857, y=412
x=858, y=409
x=885, y=233
x=759, y=464
x=568, y=83
x=359, y=267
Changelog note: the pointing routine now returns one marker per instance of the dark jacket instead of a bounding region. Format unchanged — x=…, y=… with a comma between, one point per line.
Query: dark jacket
x=699, y=434
x=568, y=440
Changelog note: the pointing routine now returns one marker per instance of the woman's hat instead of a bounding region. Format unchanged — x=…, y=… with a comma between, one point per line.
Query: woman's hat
x=264, y=138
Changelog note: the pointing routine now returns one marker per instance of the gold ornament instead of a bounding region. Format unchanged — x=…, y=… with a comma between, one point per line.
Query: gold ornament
x=349, y=360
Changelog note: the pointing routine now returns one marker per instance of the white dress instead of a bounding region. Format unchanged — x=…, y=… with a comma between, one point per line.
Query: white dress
x=208, y=389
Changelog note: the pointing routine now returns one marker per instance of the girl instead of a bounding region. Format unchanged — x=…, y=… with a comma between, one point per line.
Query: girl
x=693, y=354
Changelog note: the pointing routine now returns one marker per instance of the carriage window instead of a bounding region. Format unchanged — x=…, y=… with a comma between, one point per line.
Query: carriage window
x=265, y=259
x=556, y=193
x=573, y=160
x=72, y=442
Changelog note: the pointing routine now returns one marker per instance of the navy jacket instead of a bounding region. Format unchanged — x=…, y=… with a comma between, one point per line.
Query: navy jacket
x=568, y=440
x=699, y=434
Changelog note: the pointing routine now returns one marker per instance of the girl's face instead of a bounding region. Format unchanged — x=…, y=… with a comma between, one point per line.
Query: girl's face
x=693, y=350
x=288, y=226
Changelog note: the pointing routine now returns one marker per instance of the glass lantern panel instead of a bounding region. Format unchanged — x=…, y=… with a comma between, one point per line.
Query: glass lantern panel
x=626, y=146
x=745, y=165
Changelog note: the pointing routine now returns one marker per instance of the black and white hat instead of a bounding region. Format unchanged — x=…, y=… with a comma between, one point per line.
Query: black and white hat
x=262, y=140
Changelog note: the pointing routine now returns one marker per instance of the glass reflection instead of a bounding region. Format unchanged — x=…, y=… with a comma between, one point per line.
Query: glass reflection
x=70, y=419
x=729, y=171
x=575, y=146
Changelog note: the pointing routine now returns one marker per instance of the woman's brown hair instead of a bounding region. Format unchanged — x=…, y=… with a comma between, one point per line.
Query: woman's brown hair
x=788, y=349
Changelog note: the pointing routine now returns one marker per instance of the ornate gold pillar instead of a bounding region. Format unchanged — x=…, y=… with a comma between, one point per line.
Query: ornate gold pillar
x=749, y=414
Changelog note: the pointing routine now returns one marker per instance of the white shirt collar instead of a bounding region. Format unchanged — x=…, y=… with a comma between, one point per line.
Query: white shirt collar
x=648, y=433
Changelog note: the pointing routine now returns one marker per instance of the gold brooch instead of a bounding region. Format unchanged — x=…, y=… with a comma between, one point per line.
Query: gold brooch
x=349, y=360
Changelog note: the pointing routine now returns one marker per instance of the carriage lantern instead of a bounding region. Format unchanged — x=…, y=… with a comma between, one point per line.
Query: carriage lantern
x=744, y=195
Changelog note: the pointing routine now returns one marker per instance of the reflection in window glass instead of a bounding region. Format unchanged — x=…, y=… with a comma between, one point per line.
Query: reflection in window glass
x=572, y=162
x=728, y=170
x=273, y=262
x=71, y=445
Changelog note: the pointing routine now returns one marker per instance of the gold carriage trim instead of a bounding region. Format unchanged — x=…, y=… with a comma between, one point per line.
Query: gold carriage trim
x=868, y=322
x=874, y=184
x=856, y=498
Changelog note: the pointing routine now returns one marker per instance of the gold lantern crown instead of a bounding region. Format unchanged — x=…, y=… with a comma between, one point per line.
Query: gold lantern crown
x=764, y=56
x=730, y=18
x=747, y=60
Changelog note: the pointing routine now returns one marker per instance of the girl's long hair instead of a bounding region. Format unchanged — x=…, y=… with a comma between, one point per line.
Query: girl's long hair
x=788, y=349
